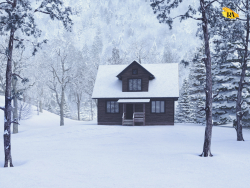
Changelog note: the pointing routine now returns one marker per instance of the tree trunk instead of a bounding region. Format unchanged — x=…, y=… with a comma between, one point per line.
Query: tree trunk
x=78, y=112
x=91, y=109
x=15, y=110
x=61, y=109
x=239, y=113
x=41, y=106
x=208, y=90
x=7, y=111
x=78, y=103
x=37, y=107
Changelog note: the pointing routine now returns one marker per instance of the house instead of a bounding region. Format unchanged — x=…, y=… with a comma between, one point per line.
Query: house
x=136, y=94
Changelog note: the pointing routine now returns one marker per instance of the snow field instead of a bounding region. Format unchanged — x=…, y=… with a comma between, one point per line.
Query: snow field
x=83, y=154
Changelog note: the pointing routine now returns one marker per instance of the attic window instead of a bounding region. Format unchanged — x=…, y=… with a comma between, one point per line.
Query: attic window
x=134, y=85
x=135, y=71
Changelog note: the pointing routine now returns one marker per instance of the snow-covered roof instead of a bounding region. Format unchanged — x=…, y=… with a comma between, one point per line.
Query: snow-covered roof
x=133, y=100
x=165, y=84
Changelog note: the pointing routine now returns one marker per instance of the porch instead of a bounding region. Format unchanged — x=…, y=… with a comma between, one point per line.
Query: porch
x=132, y=113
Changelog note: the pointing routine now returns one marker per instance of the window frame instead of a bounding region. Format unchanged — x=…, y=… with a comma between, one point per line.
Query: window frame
x=151, y=101
x=106, y=107
x=134, y=79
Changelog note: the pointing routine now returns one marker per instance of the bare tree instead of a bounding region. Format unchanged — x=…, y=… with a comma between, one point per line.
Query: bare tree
x=60, y=80
x=16, y=15
x=24, y=109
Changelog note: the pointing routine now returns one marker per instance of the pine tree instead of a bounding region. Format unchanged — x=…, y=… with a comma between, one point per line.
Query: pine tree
x=236, y=36
x=197, y=79
x=184, y=104
x=115, y=59
x=225, y=81
x=200, y=114
x=66, y=110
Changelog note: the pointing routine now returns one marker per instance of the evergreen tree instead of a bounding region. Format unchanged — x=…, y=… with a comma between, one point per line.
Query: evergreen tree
x=225, y=80
x=66, y=110
x=115, y=59
x=236, y=36
x=197, y=79
x=184, y=104
x=199, y=113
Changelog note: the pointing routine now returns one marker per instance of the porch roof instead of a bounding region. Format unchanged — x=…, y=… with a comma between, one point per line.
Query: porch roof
x=133, y=100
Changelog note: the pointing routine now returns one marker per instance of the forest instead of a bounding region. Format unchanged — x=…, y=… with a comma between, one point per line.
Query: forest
x=50, y=52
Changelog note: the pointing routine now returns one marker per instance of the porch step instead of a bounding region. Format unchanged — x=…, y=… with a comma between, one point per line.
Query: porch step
x=128, y=122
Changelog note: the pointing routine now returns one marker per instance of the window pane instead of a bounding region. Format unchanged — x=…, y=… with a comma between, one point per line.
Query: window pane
x=139, y=84
x=157, y=106
x=130, y=84
x=108, y=106
x=116, y=107
x=153, y=107
x=134, y=84
x=112, y=106
x=162, y=106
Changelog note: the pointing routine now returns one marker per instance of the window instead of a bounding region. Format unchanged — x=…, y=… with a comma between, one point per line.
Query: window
x=112, y=107
x=135, y=71
x=158, y=106
x=134, y=85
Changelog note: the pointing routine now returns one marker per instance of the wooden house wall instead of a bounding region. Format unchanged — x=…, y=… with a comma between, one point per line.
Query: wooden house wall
x=141, y=74
x=104, y=118
x=139, y=107
x=166, y=118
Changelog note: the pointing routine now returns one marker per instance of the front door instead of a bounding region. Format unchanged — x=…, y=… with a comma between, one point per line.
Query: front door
x=129, y=111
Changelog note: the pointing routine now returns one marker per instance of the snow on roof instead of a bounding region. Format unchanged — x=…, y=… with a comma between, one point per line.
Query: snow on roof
x=133, y=100
x=165, y=84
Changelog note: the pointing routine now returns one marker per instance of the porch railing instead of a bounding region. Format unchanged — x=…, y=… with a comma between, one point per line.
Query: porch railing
x=139, y=117
x=123, y=117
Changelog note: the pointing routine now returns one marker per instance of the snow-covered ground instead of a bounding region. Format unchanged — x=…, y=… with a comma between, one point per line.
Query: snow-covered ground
x=83, y=154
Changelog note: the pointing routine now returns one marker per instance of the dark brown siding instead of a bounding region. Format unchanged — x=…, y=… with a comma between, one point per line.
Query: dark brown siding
x=141, y=74
x=139, y=107
x=166, y=118
x=104, y=118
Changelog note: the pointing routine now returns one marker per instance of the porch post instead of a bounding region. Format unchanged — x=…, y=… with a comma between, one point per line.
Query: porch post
x=144, y=114
x=133, y=114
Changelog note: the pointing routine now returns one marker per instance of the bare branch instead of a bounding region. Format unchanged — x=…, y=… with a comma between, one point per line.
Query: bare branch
x=240, y=8
x=240, y=19
x=189, y=17
x=14, y=74
x=41, y=11
x=2, y=108
x=8, y=2
x=216, y=94
x=15, y=121
x=54, y=72
x=244, y=4
x=211, y=3
x=202, y=109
